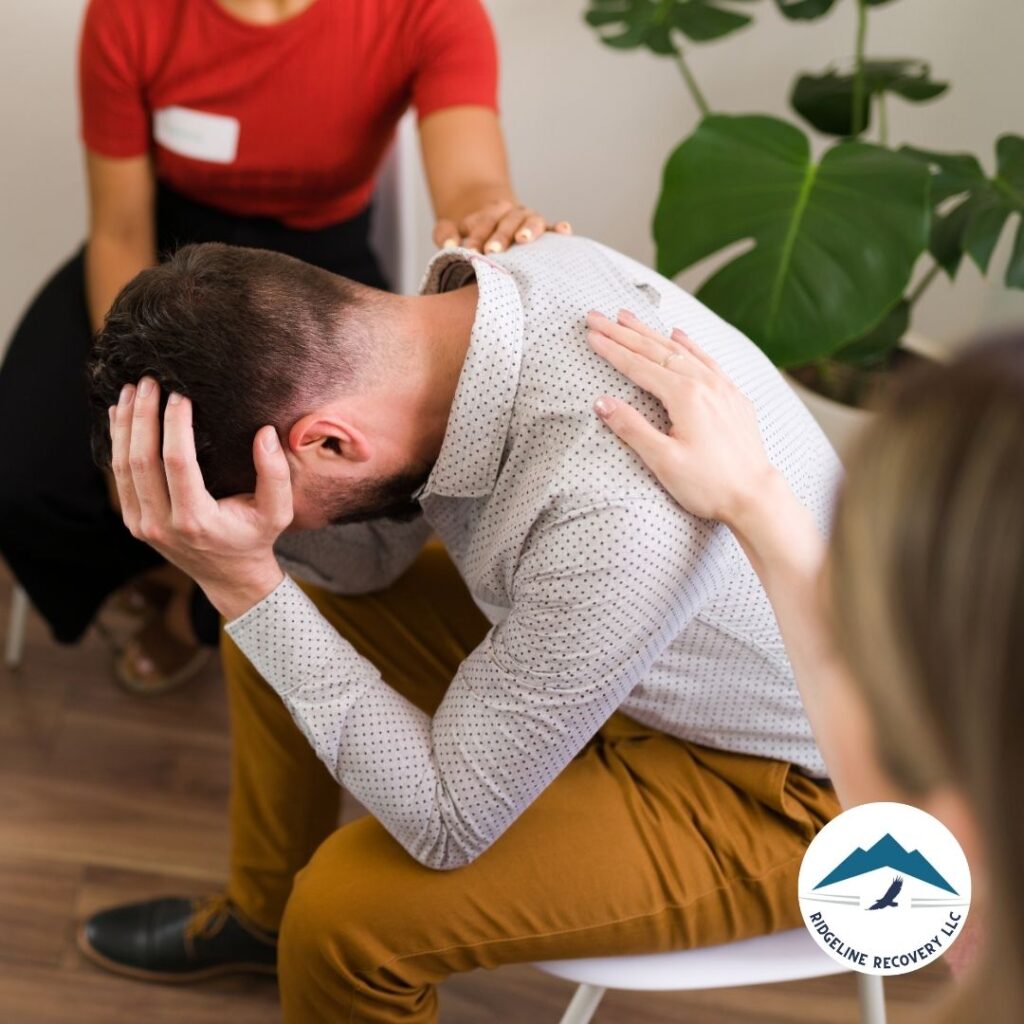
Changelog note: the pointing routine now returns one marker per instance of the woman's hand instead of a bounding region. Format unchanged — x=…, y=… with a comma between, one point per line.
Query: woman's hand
x=712, y=460
x=495, y=227
x=467, y=173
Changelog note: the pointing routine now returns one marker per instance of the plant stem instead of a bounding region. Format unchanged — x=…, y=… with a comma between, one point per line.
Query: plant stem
x=691, y=84
x=923, y=285
x=858, y=78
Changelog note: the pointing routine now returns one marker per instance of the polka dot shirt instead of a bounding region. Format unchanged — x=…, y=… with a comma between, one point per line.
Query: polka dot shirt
x=604, y=595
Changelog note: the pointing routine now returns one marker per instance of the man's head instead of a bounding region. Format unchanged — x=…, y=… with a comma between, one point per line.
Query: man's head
x=254, y=337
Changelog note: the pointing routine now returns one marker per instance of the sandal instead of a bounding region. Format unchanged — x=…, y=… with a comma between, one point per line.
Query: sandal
x=128, y=610
x=155, y=661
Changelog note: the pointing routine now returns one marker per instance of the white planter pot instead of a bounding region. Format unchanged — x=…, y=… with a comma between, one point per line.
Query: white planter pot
x=842, y=424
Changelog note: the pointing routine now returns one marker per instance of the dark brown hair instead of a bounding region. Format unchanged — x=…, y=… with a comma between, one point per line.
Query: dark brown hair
x=927, y=581
x=251, y=337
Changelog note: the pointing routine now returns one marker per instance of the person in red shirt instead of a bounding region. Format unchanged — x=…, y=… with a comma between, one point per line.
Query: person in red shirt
x=254, y=122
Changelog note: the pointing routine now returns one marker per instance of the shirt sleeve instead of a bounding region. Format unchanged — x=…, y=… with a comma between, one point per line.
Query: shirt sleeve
x=357, y=558
x=114, y=116
x=597, y=597
x=455, y=56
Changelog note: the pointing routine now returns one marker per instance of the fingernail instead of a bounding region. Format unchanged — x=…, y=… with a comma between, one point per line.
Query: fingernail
x=174, y=398
x=270, y=441
x=145, y=387
x=450, y=243
x=473, y=248
x=493, y=247
x=127, y=394
x=625, y=314
x=604, y=407
x=595, y=314
x=564, y=226
x=526, y=235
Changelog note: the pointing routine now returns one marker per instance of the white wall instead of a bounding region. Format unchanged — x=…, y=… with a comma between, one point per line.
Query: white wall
x=589, y=129
x=42, y=208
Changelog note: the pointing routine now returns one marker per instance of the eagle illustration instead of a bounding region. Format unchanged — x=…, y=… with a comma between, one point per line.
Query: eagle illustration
x=889, y=899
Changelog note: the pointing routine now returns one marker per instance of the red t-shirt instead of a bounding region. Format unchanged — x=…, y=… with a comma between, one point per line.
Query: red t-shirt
x=288, y=121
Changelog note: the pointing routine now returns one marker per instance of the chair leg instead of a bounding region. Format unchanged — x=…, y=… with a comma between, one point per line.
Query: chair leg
x=584, y=1005
x=14, y=645
x=871, y=989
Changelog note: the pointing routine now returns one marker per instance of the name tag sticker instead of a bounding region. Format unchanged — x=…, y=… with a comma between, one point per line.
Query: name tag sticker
x=195, y=134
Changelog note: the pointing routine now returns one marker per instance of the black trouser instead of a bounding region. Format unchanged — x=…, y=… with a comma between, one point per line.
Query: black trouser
x=58, y=532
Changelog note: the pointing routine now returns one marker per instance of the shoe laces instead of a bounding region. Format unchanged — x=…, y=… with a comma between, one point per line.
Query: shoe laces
x=208, y=917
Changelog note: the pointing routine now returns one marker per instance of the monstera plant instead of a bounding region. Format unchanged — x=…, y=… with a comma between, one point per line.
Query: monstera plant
x=829, y=245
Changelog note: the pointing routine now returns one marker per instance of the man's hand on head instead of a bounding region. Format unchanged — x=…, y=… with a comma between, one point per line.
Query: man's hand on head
x=226, y=546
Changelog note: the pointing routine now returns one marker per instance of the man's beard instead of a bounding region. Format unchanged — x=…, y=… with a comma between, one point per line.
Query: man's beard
x=382, y=498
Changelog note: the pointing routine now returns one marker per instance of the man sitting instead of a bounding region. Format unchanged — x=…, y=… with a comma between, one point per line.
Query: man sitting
x=573, y=724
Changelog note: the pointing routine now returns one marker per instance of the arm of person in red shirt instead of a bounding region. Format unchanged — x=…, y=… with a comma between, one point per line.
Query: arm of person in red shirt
x=467, y=172
x=121, y=228
x=115, y=132
x=455, y=92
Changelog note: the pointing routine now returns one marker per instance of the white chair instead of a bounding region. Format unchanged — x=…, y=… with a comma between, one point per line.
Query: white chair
x=17, y=620
x=393, y=234
x=785, y=956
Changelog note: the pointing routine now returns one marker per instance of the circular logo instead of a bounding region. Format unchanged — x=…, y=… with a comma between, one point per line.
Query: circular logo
x=885, y=888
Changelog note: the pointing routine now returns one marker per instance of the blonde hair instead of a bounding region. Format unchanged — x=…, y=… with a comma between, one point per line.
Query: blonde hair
x=927, y=590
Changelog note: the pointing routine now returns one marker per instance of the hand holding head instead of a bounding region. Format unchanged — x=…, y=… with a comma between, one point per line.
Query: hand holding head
x=226, y=546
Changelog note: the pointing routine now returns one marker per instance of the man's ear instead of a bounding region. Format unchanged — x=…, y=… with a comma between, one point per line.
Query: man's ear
x=325, y=436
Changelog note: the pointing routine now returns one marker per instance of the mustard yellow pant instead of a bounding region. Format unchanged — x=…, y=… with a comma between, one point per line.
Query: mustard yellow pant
x=644, y=843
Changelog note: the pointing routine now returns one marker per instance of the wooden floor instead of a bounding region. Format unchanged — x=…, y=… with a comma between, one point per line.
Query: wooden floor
x=106, y=798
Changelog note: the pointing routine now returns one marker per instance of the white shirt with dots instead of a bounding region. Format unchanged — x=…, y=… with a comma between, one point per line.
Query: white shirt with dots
x=604, y=595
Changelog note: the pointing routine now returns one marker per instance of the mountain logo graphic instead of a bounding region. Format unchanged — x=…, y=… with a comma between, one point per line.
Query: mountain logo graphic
x=886, y=853
x=885, y=905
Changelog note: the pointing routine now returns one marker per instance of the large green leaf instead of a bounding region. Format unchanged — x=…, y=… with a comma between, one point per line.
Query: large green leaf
x=703, y=22
x=833, y=243
x=626, y=24
x=807, y=10
x=874, y=348
x=971, y=209
x=826, y=101
x=804, y=10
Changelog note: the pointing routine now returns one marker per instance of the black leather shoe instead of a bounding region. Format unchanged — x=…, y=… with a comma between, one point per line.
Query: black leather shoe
x=177, y=940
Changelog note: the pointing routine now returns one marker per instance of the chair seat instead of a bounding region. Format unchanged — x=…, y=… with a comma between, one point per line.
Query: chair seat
x=785, y=956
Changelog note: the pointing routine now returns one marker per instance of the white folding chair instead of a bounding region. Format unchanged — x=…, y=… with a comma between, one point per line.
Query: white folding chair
x=393, y=234
x=17, y=620
x=785, y=956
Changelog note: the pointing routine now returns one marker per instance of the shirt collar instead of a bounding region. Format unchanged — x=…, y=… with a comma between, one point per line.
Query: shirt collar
x=478, y=425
